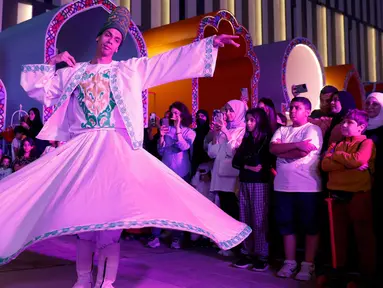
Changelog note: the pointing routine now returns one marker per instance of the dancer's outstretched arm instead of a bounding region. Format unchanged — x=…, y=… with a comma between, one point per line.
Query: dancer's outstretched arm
x=195, y=60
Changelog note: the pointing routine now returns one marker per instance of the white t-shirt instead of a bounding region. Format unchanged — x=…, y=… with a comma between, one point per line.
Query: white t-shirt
x=299, y=175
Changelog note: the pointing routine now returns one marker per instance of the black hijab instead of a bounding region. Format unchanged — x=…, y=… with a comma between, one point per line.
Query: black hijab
x=348, y=103
x=199, y=154
x=36, y=125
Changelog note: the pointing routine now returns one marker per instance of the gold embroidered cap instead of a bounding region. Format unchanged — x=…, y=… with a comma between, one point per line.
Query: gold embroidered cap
x=119, y=19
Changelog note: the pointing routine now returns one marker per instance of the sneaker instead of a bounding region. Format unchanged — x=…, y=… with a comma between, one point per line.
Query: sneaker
x=226, y=253
x=175, y=244
x=260, y=265
x=153, y=242
x=306, y=272
x=245, y=262
x=288, y=269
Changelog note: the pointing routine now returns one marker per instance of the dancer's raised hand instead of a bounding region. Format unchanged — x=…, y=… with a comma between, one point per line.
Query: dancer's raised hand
x=63, y=57
x=224, y=39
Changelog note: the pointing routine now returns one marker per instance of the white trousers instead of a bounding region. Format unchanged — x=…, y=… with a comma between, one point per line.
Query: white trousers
x=102, y=238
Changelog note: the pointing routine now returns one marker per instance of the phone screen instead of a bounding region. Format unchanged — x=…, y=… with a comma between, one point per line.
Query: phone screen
x=165, y=122
x=302, y=88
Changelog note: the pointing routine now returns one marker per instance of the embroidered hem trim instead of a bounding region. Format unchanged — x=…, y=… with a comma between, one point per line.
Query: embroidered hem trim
x=225, y=245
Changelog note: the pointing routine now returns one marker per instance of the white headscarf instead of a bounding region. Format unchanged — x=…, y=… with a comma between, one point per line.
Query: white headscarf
x=376, y=122
x=240, y=109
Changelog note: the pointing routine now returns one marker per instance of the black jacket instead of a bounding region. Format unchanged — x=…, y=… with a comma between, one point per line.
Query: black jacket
x=253, y=154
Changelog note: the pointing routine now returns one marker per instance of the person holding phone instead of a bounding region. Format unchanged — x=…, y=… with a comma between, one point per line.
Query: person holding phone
x=227, y=136
x=174, y=145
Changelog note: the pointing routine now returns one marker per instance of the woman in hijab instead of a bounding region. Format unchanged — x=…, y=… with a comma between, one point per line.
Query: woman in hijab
x=374, y=109
x=341, y=102
x=227, y=136
x=34, y=125
x=199, y=154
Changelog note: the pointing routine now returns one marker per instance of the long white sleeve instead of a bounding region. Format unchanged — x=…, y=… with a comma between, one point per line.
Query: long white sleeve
x=195, y=60
x=42, y=83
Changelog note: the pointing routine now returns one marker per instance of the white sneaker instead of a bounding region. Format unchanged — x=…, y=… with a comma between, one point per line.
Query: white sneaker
x=288, y=269
x=154, y=243
x=175, y=244
x=306, y=272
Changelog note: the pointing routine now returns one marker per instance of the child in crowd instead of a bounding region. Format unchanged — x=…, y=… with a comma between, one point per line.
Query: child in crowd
x=20, y=135
x=5, y=167
x=254, y=161
x=297, y=186
x=350, y=164
x=27, y=154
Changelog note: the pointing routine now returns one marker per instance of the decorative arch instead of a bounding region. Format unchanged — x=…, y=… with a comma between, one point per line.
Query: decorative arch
x=346, y=78
x=73, y=9
x=295, y=42
x=3, y=106
x=239, y=30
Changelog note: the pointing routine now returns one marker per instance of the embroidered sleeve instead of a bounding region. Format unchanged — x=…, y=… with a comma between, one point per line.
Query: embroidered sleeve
x=42, y=83
x=191, y=61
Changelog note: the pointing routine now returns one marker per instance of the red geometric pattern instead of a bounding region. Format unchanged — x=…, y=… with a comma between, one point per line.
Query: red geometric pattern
x=3, y=106
x=71, y=10
x=238, y=30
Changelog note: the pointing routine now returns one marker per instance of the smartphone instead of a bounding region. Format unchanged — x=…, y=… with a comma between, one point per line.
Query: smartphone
x=302, y=88
x=153, y=119
x=165, y=122
x=217, y=114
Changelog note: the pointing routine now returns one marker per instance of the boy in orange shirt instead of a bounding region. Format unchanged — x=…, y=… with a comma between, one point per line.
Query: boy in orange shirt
x=350, y=164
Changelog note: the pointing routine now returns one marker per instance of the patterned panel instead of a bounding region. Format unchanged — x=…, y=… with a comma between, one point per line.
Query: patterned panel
x=3, y=106
x=238, y=30
x=160, y=223
x=71, y=10
x=290, y=47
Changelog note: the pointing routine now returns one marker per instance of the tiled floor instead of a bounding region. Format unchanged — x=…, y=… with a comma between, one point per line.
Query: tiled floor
x=50, y=264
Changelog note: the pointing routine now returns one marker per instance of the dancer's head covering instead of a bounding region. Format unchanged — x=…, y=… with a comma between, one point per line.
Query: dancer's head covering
x=119, y=19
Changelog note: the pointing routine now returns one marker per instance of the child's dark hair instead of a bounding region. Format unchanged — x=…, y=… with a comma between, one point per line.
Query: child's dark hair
x=33, y=152
x=6, y=157
x=272, y=112
x=262, y=127
x=306, y=102
x=359, y=116
x=19, y=129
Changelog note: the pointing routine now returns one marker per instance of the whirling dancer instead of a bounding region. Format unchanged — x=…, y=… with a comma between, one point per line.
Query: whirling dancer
x=102, y=181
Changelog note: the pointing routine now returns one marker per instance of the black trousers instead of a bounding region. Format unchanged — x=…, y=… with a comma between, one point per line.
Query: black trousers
x=229, y=203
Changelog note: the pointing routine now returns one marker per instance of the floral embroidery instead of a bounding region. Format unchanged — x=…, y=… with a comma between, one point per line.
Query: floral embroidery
x=75, y=80
x=96, y=100
x=208, y=71
x=38, y=68
x=122, y=108
x=167, y=224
